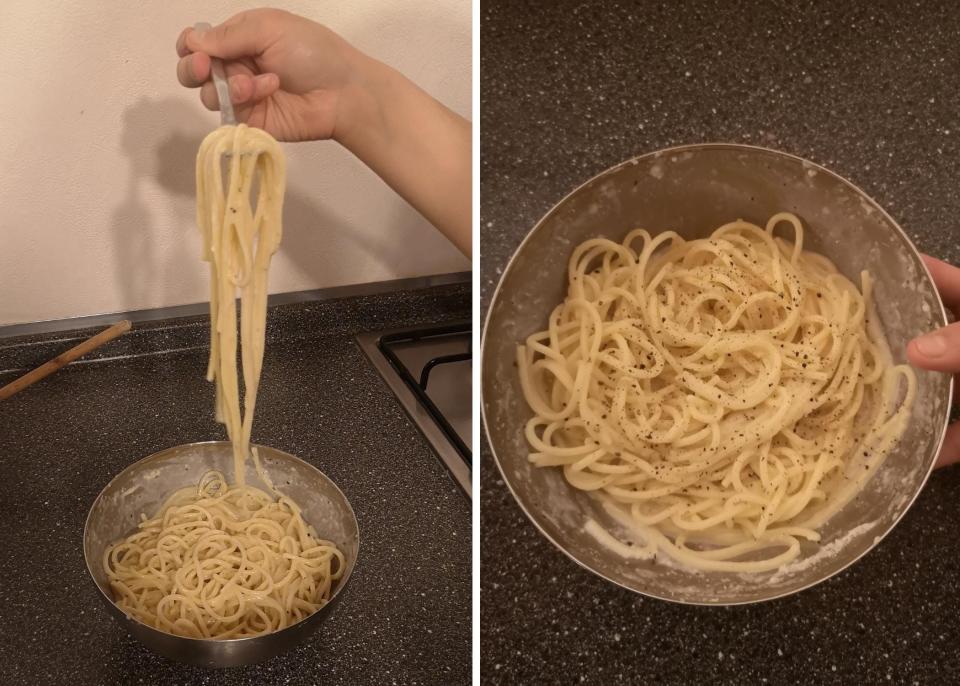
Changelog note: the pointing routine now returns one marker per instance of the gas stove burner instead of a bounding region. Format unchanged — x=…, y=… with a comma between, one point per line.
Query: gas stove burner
x=430, y=370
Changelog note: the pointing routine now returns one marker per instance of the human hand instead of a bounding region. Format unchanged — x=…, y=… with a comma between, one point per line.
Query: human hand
x=287, y=74
x=300, y=81
x=940, y=350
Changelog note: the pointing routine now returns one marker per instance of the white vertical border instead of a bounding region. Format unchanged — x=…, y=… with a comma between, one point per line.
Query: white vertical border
x=476, y=342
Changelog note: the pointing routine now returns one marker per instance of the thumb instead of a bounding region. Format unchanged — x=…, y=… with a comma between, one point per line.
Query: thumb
x=950, y=452
x=938, y=350
x=242, y=35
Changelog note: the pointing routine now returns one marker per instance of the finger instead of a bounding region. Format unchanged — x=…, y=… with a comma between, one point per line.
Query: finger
x=950, y=452
x=264, y=85
x=182, y=49
x=193, y=70
x=243, y=89
x=947, y=279
x=938, y=350
x=243, y=35
x=208, y=96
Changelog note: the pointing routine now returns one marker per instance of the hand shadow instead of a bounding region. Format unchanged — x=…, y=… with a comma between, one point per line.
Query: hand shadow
x=160, y=138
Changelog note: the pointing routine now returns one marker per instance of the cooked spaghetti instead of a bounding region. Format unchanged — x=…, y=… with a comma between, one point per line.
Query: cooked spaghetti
x=239, y=239
x=223, y=562
x=723, y=397
x=218, y=561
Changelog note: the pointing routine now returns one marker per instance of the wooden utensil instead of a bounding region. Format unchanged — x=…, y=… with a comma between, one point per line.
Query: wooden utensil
x=65, y=358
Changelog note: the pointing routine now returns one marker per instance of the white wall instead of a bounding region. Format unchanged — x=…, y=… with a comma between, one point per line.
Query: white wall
x=97, y=147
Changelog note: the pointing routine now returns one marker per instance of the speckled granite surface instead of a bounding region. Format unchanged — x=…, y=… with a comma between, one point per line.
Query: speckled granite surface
x=869, y=91
x=404, y=619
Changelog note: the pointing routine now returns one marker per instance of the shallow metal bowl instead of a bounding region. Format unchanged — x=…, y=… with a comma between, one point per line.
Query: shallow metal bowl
x=692, y=190
x=143, y=486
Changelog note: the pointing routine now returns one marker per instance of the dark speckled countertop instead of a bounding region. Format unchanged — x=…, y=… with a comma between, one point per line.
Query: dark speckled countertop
x=872, y=91
x=404, y=619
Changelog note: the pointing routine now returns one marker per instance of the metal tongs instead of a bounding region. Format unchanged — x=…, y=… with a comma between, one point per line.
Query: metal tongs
x=227, y=117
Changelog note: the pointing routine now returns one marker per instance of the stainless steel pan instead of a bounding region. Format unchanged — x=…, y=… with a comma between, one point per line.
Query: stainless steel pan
x=692, y=190
x=143, y=486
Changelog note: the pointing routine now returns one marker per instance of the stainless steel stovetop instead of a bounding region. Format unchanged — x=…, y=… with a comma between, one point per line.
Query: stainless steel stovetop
x=430, y=370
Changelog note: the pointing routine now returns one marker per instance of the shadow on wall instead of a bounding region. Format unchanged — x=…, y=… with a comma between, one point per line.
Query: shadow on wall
x=157, y=140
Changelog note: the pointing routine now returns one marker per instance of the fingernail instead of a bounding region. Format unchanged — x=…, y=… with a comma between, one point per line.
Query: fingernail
x=932, y=345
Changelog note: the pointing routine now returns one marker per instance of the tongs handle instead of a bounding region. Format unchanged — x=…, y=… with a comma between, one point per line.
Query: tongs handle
x=227, y=117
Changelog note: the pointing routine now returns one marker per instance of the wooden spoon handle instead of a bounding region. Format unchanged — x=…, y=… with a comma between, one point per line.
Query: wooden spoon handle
x=65, y=358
